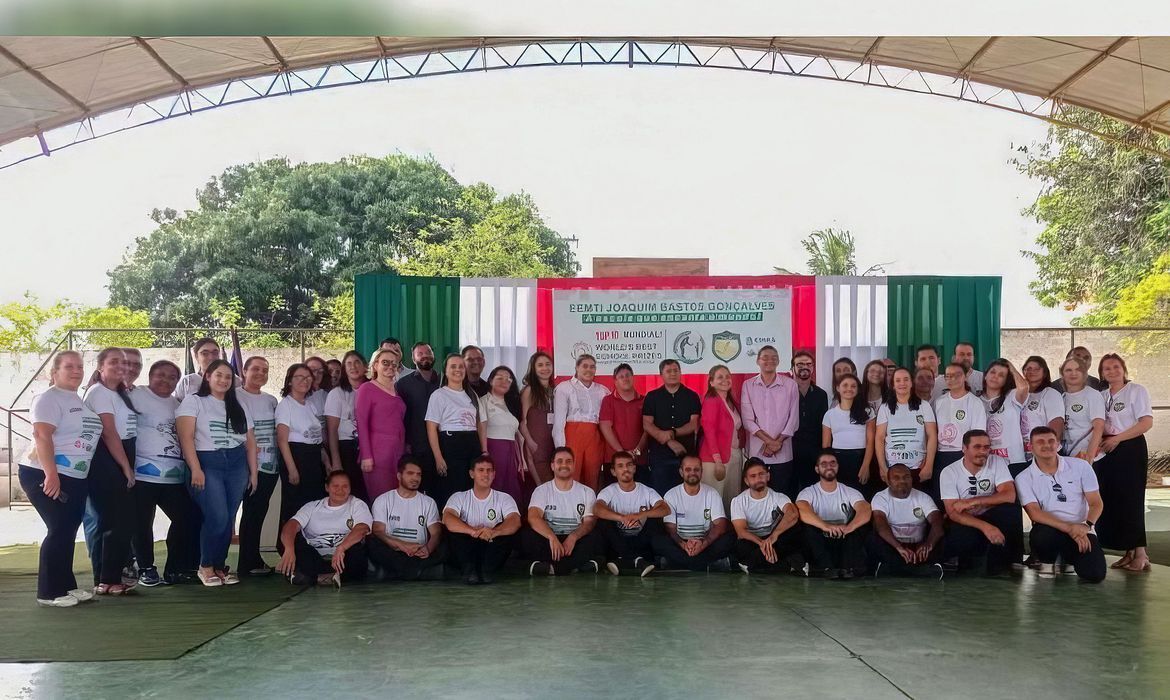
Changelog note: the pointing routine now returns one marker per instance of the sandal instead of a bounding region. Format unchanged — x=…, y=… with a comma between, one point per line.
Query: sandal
x=1123, y=562
x=1144, y=567
x=228, y=578
x=211, y=579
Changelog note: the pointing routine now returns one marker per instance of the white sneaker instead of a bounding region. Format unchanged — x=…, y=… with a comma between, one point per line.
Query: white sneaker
x=65, y=601
x=1046, y=570
x=744, y=568
x=82, y=596
x=613, y=568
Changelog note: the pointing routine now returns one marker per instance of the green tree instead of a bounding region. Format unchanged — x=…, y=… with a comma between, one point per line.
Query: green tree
x=111, y=318
x=25, y=324
x=831, y=252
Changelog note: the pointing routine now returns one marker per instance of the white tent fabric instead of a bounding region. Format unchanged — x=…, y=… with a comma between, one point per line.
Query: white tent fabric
x=499, y=316
x=852, y=315
x=49, y=82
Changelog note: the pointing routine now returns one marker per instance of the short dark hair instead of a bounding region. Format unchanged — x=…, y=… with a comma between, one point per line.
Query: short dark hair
x=1041, y=430
x=802, y=353
x=563, y=448
x=419, y=344
x=334, y=474
x=470, y=347
x=828, y=451
x=406, y=461
x=483, y=459
x=621, y=454
x=668, y=362
x=753, y=462
x=967, y=436
x=969, y=344
x=900, y=465
x=925, y=348
x=619, y=368
x=765, y=348
x=390, y=341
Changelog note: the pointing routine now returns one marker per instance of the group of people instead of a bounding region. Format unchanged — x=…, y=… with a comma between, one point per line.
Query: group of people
x=899, y=471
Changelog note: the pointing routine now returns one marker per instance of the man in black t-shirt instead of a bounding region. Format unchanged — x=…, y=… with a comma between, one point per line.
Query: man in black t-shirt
x=670, y=416
x=814, y=403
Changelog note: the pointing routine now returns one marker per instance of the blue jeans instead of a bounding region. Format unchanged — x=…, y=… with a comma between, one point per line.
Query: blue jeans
x=225, y=478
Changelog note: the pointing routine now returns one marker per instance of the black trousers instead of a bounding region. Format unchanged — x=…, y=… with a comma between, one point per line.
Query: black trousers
x=676, y=557
x=882, y=552
x=62, y=518
x=968, y=543
x=459, y=450
x=663, y=472
x=114, y=504
x=848, y=468
x=348, y=450
x=804, y=463
x=400, y=566
x=252, y=515
x=1016, y=467
x=311, y=469
x=786, y=546
x=312, y=564
x=942, y=460
x=536, y=548
x=782, y=477
x=1049, y=544
x=182, y=535
x=826, y=552
x=1122, y=477
x=622, y=548
x=480, y=556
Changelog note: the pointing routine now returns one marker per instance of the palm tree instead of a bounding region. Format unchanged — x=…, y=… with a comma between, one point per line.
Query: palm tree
x=833, y=252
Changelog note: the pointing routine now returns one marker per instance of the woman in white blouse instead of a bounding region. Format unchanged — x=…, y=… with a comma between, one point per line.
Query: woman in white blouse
x=577, y=420
x=500, y=408
x=299, y=439
x=956, y=412
x=849, y=428
x=341, y=422
x=1084, y=413
x=1122, y=471
x=455, y=429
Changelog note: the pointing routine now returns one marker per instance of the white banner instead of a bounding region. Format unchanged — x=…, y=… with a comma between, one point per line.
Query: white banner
x=697, y=327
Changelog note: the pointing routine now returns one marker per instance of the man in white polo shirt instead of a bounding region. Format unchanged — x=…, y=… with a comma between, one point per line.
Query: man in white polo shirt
x=1063, y=500
x=628, y=514
x=408, y=538
x=835, y=517
x=480, y=523
x=767, y=525
x=979, y=496
x=907, y=529
x=559, y=538
x=698, y=536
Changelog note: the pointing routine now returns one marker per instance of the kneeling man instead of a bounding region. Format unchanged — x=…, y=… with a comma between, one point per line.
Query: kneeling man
x=766, y=524
x=980, y=500
x=907, y=528
x=697, y=535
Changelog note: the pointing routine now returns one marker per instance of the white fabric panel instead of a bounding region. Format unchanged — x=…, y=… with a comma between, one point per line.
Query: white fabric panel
x=851, y=314
x=499, y=315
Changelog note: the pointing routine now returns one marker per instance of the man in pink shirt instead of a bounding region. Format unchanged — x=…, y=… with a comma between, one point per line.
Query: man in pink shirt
x=770, y=405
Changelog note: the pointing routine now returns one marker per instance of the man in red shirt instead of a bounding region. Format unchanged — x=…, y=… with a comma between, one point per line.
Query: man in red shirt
x=621, y=423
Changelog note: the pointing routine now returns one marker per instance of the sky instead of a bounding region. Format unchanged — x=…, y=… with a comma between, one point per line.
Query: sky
x=673, y=162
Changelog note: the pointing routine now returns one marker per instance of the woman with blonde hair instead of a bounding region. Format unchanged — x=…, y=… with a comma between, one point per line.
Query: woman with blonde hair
x=721, y=449
x=380, y=414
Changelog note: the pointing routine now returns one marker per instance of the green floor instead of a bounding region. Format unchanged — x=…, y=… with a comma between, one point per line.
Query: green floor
x=677, y=636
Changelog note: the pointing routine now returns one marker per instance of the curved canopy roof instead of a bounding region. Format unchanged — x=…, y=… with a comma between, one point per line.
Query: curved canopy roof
x=50, y=82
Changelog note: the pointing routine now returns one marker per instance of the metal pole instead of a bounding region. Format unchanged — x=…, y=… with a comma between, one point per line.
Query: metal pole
x=1072, y=338
x=302, y=334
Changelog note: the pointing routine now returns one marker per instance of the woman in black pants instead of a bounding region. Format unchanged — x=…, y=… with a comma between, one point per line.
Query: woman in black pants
x=341, y=424
x=455, y=430
x=111, y=476
x=298, y=435
x=160, y=476
x=848, y=428
x=53, y=475
x=1121, y=473
x=261, y=408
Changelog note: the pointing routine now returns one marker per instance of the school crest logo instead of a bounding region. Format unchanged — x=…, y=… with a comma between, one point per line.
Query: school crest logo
x=1077, y=408
x=1033, y=405
x=689, y=347
x=726, y=346
x=706, y=514
x=775, y=514
x=580, y=509
x=960, y=414
x=1118, y=406
x=491, y=513
x=984, y=484
x=921, y=420
x=918, y=513
x=349, y=524
x=422, y=521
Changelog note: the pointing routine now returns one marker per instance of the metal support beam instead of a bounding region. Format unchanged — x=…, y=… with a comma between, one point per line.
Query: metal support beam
x=1072, y=79
x=40, y=77
x=965, y=71
x=276, y=54
x=180, y=80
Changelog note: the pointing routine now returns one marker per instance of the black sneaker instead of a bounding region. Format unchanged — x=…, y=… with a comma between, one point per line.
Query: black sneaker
x=487, y=578
x=178, y=578
x=470, y=576
x=845, y=574
x=591, y=566
x=150, y=578
x=299, y=579
x=720, y=565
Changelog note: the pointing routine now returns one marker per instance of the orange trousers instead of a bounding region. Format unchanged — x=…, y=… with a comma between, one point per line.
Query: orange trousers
x=588, y=447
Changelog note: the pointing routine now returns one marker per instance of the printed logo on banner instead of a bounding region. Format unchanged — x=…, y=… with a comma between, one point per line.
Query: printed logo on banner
x=580, y=349
x=726, y=346
x=689, y=347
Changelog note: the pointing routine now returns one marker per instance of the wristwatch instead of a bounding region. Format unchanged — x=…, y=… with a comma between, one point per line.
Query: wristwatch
x=1090, y=523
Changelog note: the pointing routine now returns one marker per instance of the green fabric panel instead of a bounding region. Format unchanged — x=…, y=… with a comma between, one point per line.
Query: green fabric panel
x=411, y=309
x=942, y=311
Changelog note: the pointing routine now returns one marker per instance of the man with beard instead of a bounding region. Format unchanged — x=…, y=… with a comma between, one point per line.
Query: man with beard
x=907, y=528
x=813, y=405
x=629, y=513
x=836, y=516
x=670, y=415
x=473, y=358
x=407, y=535
x=766, y=525
x=965, y=356
x=980, y=500
x=697, y=535
x=416, y=389
x=559, y=538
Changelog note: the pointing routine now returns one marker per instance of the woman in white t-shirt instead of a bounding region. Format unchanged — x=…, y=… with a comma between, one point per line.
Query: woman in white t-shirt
x=261, y=407
x=161, y=481
x=1044, y=406
x=53, y=475
x=204, y=351
x=1123, y=469
x=455, y=429
x=1004, y=393
x=219, y=445
x=341, y=422
x=956, y=412
x=111, y=476
x=1084, y=413
x=906, y=431
x=500, y=408
x=324, y=542
x=875, y=391
x=301, y=442
x=849, y=428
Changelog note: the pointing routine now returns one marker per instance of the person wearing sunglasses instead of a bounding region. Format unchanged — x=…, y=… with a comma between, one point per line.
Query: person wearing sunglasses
x=1062, y=498
x=979, y=496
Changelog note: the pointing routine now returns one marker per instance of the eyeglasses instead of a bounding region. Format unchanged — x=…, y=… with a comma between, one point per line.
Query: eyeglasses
x=807, y=365
x=889, y=367
x=302, y=377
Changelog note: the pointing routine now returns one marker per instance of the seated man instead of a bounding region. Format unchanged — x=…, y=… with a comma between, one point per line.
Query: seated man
x=697, y=535
x=836, y=516
x=629, y=513
x=480, y=523
x=980, y=499
x=559, y=538
x=407, y=538
x=1063, y=500
x=766, y=524
x=323, y=541
x=907, y=528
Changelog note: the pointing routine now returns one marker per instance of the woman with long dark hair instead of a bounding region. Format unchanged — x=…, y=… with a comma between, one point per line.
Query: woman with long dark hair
x=536, y=407
x=161, y=481
x=381, y=431
x=111, y=476
x=455, y=429
x=1123, y=469
x=842, y=367
x=322, y=385
x=299, y=438
x=1004, y=394
x=261, y=407
x=219, y=446
x=721, y=449
x=341, y=422
x=500, y=408
x=849, y=428
x=53, y=474
x=906, y=431
x=874, y=390
x=1044, y=406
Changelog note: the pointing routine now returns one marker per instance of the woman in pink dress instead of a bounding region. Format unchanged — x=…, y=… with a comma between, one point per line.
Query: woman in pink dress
x=501, y=410
x=380, y=414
